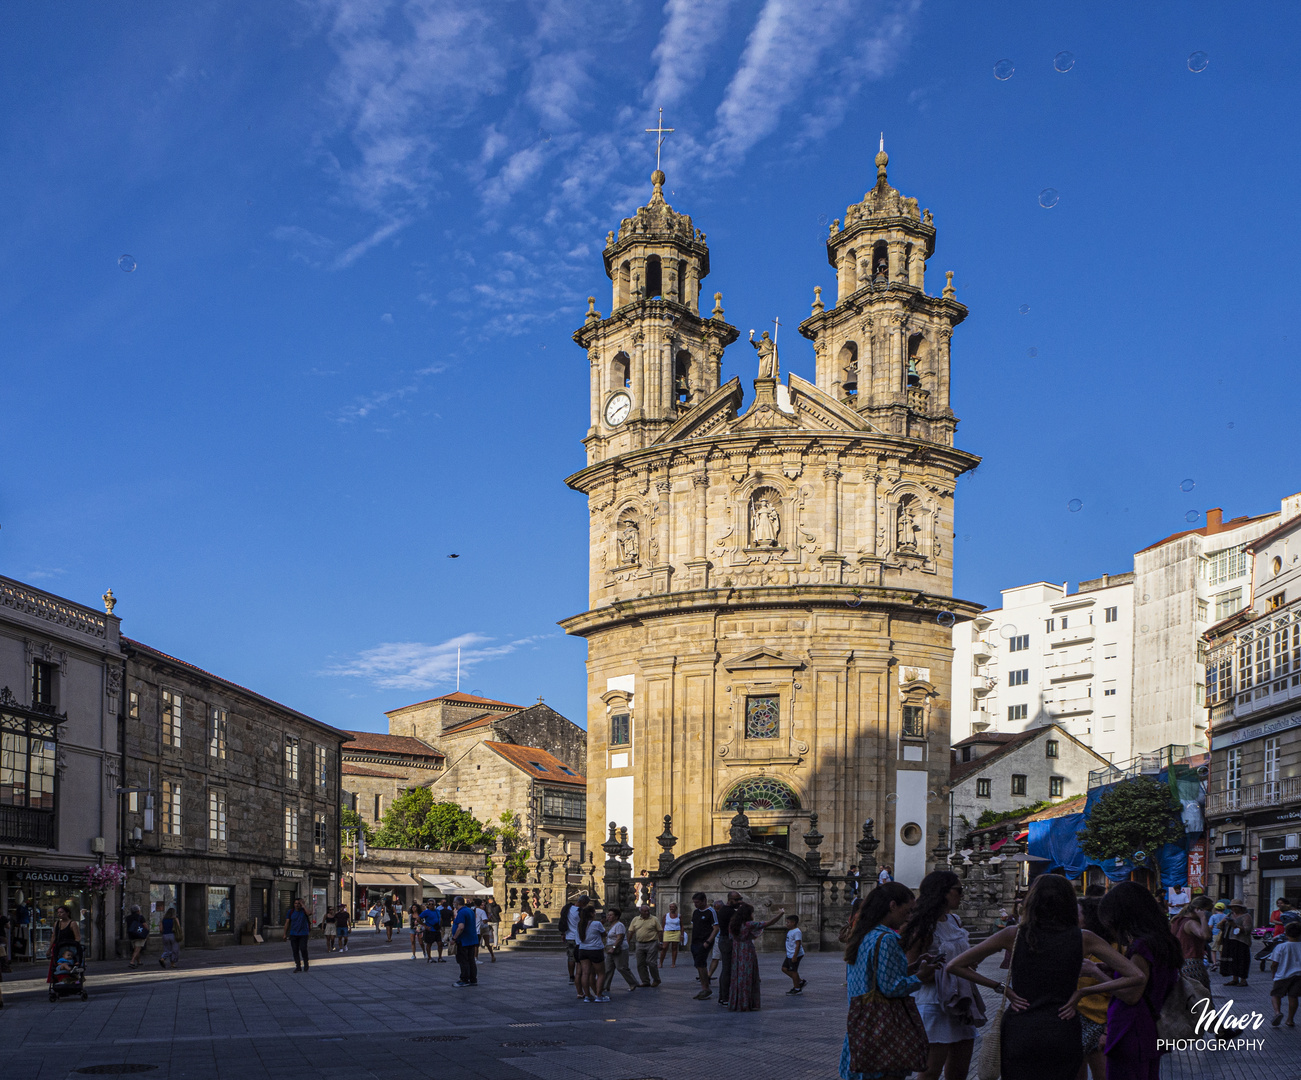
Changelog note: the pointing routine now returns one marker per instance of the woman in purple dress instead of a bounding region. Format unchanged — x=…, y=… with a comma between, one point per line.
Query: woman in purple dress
x=1136, y=922
x=744, y=995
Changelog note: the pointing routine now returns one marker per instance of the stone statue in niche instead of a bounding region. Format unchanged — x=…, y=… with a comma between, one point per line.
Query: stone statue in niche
x=765, y=521
x=909, y=527
x=629, y=542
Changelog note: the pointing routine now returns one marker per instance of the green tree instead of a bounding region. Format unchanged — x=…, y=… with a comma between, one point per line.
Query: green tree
x=414, y=820
x=1135, y=815
x=350, y=820
x=511, y=831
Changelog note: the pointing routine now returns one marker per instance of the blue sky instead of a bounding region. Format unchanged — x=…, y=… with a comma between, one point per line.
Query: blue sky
x=364, y=231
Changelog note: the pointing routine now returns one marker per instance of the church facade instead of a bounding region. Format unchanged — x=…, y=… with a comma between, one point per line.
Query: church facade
x=770, y=587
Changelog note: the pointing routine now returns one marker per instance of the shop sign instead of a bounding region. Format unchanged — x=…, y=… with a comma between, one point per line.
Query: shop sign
x=1229, y=851
x=1256, y=731
x=1274, y=817
x=13, y=860
x=1197, y=865
x=1279, y=860
x=57, y=877
x=282, y=872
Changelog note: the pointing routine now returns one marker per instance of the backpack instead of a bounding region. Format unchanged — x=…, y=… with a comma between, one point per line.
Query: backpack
x=136, y=928
x=1177, y=1018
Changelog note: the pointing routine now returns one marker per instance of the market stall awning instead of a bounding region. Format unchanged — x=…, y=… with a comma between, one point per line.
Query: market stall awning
x=455, y=885
x=378, y=877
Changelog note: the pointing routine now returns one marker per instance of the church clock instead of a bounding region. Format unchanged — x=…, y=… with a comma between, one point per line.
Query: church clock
x=617, y=408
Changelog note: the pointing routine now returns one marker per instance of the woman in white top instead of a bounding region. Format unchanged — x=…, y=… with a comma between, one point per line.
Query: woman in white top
x=934, y=928
x=671, y=936
x=590, y=956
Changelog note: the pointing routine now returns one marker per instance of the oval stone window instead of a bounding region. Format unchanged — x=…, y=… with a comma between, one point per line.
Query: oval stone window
x=911, y=833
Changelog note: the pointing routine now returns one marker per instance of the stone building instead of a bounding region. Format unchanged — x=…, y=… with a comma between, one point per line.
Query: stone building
x=232, y=800
x=1253, y=687
x=1001, y=771
x=60, y=692
x=769, y=588
x=379, y=768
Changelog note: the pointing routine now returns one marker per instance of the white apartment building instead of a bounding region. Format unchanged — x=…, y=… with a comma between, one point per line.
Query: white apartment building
x=1182, y=585
x=1050, y=656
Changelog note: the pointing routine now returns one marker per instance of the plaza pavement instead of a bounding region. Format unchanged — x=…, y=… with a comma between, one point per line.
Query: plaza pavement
x=242, y=1014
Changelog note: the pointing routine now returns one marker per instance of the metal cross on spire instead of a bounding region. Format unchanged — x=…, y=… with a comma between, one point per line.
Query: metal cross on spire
x=660, y=132
x=776, y=325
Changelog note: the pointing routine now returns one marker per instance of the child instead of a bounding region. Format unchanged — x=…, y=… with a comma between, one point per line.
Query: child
x=794, y=953
x=1287, y=974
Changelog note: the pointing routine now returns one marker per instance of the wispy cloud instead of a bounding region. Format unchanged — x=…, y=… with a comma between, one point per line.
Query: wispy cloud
x=691, y=31
x=414, y=665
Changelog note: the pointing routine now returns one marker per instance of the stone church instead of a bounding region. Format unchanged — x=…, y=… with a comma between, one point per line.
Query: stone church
x=769, y=598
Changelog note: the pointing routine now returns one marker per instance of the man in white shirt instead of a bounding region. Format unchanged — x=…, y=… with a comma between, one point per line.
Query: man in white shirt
x=1175, y=899
x=569, y=927
x=885, y=875
x=480, y=919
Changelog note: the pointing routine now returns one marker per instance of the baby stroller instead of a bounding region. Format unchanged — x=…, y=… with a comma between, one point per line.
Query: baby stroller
x=68, y=976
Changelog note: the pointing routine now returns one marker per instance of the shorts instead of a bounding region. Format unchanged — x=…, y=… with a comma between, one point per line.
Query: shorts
x=1091, y=1033
x=330, y=929
x=592, y=956
x=341, y=931
x=1289, y=987
x=700, y=954
x=571, y=950
x=792, y=964
x=488, y=935
x=430, y=937
x=714, y=953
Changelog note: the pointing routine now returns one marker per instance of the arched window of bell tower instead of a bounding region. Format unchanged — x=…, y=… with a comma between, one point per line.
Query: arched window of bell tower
x=850, y=269
x=682, y=297
x=620, y=372
x=848, y=367
x=880, y=262
x=914, y=355
x=682, y=378
x=623, y=284
x=654, y=276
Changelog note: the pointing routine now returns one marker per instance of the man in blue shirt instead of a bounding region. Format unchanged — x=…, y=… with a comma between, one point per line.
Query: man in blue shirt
x=430, y=934
x=297, y=927
x=465, y=933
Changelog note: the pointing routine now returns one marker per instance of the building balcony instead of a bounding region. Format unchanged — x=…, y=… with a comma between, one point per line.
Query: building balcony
x=1073, y=706
x=1268, y=695
x=982, y=685
x=1072, y=635
x=19, y=825
x=982, y=652
x=1081, y=669
x=1255, y=796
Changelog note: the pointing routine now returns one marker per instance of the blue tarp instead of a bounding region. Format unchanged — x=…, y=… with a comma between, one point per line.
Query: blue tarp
x=1055, y=840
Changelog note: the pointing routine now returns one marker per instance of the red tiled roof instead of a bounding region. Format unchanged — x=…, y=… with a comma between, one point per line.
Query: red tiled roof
x=376, y=742
x=349, y=769
x=1235, y=523
x=537, y=763
x=459, y=698
x=140, y=646
x=477, y=722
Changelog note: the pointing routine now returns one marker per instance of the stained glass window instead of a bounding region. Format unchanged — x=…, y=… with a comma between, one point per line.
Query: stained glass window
x=761, y=717
x=761, y=793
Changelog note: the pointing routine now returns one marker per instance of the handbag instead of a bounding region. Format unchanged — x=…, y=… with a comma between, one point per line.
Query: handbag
x=1177, y=1020
x=989, y=1066
x=885, y=1034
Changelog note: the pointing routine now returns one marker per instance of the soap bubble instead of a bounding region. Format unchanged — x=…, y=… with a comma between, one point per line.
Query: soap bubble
x=1192, y=515
x=892, y=798
x=855, y=600
x=1032, y=353
x=127, y=264
x=1048, y=198
x=1229, y=424
x=1139, y=856
x=1024, y=309
x=1004, y=70
x=1064, y=61
x=823, y=220
x=1197, y=61
x=1143, y=629
x=946, y=618
x=1007, y=630
x=1075, y=506
x=1187, y=485
x=544, y=135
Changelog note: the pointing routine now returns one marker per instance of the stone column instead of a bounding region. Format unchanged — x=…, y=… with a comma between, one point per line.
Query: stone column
x=639, y=377
x=917, y=265
x=832, y=563
x=662, y=569
x=698, y=565
x=594, y=360
x=898, y=272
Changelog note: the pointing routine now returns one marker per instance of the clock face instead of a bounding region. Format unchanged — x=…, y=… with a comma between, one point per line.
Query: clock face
x=617, y=409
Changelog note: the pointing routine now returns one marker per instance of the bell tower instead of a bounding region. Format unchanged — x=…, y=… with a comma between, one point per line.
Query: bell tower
x=883, y=349
x=654, y=358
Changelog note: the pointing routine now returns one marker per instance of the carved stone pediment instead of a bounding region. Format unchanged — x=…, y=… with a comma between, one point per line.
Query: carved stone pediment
x=706, y=417
x=761, y=659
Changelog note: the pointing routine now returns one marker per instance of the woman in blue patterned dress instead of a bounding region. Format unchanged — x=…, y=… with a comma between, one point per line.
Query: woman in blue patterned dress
x=880, y=918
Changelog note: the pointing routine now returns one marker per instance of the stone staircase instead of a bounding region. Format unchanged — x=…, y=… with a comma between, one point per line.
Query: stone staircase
x=544, y=938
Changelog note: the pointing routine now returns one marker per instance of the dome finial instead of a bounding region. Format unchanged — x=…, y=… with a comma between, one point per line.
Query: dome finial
x=882, y=160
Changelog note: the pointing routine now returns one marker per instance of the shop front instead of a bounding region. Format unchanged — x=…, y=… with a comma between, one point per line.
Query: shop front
x=377, y=886
x=30, y=895
x=1280, y=876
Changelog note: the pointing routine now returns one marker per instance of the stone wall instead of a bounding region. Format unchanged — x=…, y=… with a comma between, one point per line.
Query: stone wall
x=484, y=784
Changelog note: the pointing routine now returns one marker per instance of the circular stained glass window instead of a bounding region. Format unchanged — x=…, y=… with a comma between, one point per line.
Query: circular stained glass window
x=761, y=793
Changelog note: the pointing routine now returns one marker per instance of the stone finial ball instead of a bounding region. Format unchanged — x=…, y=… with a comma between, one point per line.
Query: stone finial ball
x=658, y=177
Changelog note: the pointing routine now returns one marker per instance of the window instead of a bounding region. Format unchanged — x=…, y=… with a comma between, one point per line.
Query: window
x=1064, y=621
x=1199, y=694
x=172, y=711
x=1276, y=601
x=1050, y=748
x=983, y=787
x=914, y=726
x=217, y=723
x=1019, y=643
x=1272, y=843
x=567, y=771
x=761, y=793
x=1233, y=769
x=220, y=916
x=620, y=730
x=1109, y=691
x=539, y=766
x=1112, y=614
x=1271, y=767
x=564, y=804
x=966, y=753
x=1017, y=712
x=133, y=705
x=319, y=838
x=217, y=816
x=291, y=829
x=1227, y=603
x=27, y=760
x=1055, y=787
x=42, y=683
x=291, y=760
x=171, y=808
x=322, y=766
x=1226, y=565
x=1232, y=839
x=1018, y=784
x=761, y=717
x=1050, y=625
x=1203, y=610
x=379, y=806
x=1018, y=678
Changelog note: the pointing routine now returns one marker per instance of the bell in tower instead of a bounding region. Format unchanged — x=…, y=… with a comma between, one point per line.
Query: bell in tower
x=654, y=357
x=883, y=349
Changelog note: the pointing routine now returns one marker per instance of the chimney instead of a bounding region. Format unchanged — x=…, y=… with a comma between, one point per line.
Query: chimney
x=1105, y=580
x=1214, y=521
